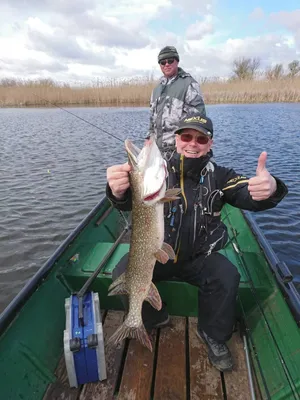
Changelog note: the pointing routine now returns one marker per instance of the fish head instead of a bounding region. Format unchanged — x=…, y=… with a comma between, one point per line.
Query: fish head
x=151, y=168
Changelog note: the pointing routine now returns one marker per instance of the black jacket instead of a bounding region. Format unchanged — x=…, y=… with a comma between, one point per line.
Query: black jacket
x=192, y=223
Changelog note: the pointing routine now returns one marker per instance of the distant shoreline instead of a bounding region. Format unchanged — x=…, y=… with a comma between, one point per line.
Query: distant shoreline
x=80, y=105
x=137, y=93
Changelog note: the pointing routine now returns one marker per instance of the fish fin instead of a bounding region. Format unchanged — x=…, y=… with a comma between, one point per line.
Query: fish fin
x=154, y=297
x=125, y=331
x=169, y=250
x=170, y=195
x=161, y=256
x=172, y=192
x=167, y=199
x=119, y=281
x=118, y=290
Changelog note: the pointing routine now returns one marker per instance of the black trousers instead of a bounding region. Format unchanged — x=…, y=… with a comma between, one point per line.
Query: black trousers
x=217, y=280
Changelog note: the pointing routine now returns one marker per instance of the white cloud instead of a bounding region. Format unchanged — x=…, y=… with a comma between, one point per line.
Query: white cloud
x=218, y=60
x=199, y=29
x=85, y=40
x=196, y=6
x=290, y=20
x=134, y=14
x=66, y=7
x=35, y=23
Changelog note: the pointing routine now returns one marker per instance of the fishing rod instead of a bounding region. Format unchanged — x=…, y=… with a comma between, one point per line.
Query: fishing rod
x=86, y=286
x=82, y=119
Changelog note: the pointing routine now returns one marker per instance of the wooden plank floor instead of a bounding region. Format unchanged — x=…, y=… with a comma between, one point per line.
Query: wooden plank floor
x=177, y=369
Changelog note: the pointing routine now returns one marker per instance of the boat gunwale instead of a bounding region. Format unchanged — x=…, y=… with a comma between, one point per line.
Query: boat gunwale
x=288, y=289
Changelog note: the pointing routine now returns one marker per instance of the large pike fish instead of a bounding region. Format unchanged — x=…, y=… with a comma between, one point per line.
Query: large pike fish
x=148, y=184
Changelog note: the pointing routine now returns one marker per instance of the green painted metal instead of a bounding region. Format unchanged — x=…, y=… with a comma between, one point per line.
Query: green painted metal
x=276, y=349
x=31, y=346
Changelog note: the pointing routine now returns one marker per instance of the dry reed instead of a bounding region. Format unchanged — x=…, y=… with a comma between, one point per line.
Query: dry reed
x=137, y=92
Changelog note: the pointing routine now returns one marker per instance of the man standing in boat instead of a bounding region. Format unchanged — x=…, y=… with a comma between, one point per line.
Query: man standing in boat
x=176, y=95
x=194, y=229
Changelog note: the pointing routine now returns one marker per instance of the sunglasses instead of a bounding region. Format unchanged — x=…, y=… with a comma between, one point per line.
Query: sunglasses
x=187, y=137
x=169, y=61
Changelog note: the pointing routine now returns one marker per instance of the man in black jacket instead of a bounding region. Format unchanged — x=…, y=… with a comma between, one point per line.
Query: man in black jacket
x=195, y=231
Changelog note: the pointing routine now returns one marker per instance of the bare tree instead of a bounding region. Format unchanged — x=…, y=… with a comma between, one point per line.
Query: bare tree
x=245, y=68
x=274, y=73
x=294, y=68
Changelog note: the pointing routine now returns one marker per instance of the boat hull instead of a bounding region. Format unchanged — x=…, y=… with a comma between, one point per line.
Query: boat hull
x=31, y=328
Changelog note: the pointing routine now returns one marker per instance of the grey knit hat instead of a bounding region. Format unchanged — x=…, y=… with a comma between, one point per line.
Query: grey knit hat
x=168, y=52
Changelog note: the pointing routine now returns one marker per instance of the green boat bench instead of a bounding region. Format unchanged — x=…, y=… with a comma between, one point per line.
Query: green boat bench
x=76, y=276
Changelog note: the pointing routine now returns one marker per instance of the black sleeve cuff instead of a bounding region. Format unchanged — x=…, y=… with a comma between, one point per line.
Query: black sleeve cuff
x=281, y=191
x=122, y=204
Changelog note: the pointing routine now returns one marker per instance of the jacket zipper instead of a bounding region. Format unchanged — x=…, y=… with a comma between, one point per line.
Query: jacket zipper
x=170, y=105
x=177, y=246
x=181, y=208
x=195, y=221
x=182, y=181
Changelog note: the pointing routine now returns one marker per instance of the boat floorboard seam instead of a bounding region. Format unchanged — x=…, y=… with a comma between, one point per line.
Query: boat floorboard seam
x=178, y=368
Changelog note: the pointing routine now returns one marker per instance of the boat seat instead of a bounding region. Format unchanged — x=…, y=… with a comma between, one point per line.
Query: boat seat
x=98, y=253
x=90, y=262
x=100, y=250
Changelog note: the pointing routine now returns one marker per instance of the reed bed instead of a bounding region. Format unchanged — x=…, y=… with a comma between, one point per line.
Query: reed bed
x=256, y=91
x=137, y=92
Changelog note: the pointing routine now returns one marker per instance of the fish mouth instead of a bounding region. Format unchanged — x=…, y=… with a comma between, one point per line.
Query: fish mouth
x=151, y=167
x=132, y=152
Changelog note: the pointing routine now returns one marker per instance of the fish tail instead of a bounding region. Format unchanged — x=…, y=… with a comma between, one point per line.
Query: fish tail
x=125, y=331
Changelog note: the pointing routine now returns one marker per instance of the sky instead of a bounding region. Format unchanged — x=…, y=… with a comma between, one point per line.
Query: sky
x=88, y=40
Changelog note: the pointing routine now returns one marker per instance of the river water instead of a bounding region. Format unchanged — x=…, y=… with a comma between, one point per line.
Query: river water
x=53, y=171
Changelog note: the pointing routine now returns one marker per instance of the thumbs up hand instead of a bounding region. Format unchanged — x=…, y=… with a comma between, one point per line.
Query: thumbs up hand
x=263, y=185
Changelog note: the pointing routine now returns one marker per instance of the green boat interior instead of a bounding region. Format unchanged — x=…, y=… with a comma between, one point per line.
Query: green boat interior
x=266, y=344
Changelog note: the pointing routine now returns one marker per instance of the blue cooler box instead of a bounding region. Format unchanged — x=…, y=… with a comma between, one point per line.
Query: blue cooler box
x=84, y=345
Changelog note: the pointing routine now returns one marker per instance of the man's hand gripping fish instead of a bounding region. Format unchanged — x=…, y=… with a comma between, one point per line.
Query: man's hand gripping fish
x=148, y=184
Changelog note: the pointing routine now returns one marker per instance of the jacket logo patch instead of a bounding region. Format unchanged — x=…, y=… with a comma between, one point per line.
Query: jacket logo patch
x=196, y=119
x=237, y=178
